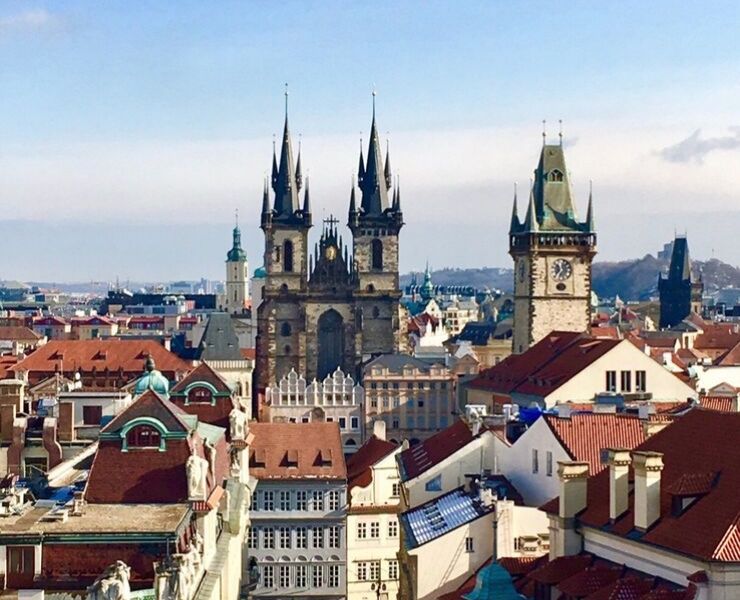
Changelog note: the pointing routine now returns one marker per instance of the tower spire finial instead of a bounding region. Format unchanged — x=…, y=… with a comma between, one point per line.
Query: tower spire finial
x=286, y=100
x=560, y=133
x=544, y=132
x=236, y=217
x=375, y=93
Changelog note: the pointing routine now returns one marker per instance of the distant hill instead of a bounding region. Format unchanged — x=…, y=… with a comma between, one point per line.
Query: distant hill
x=631, y=279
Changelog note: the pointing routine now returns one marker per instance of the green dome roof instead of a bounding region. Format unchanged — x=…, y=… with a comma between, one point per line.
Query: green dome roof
x=260, y=272
x=152, y=380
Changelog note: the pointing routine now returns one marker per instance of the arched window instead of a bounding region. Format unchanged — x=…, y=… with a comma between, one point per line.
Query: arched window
x=143, y=436
x=287, y=350
x=288, y=256
x=285, y=330
x=377, y=254
x=200, y=395
x=555, y=175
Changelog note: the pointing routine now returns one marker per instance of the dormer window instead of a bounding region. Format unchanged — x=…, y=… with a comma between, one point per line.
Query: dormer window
x=555, y=175
x=200, y=395
x=143, y=437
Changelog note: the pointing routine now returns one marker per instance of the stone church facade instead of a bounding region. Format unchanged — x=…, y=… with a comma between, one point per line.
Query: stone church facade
x=339, y=306
x=552, y=252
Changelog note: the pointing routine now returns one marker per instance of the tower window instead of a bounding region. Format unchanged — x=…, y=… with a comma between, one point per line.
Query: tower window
x=376, y=312
x=377, y=248
x=288, y=256
x=285, y=330
x=555, y=175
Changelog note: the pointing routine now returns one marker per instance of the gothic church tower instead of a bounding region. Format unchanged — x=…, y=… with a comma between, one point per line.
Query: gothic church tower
x=552, y=252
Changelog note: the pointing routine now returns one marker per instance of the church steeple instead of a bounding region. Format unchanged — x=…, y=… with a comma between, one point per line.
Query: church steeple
x=285, y=183
x=236, y=254
x=515, y=225
x=387, y=168
x=530, y=221
x=590, y=212
x=373, y=185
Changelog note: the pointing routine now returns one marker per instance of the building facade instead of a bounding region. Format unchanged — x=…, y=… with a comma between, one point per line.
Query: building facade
x=552, y=252
x=337, y=309
x=680, y=291
x=413, y=398
x=236, y=292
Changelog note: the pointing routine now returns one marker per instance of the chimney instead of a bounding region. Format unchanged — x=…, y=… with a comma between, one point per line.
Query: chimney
x=650, y=428
x=573, y=477
x=647, y=467
x=65, y=422
x=644, y=410
x=7, y=416
x=619, y=465
x=379, y=429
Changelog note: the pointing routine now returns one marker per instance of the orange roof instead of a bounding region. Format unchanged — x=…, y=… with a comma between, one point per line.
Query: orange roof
x=359, y=465
x=18, y=333
x=296, y=451
x=7, y=362
x=731, y=357
x=718, y=403
x=585, y=435
x=113, y=354
x=719, y=336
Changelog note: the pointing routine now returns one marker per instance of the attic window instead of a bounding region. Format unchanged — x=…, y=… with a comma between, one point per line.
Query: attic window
x=555, y=175
x=291, y=458
x=258, y=458
x=143, y=437
x=324, y=458
x=200, y=395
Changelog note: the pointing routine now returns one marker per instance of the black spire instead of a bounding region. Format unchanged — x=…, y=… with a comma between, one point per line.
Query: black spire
x=361, y=166
x=387, y=169
x=274, y=165
x=373, y=185
x=306, y=204
x=286, y=185
x=515, y=225
x=298, y=172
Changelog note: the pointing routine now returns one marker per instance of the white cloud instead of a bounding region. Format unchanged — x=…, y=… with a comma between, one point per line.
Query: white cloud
x=29, y=21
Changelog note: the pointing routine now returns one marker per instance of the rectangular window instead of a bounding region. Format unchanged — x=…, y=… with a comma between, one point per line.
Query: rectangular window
x=301, y=500
x=392, y=569
x=354, y=423
x=548, y=463
x=268, y=538
x=318, y=500
x=91, y=415
x=395, y=423
x=334, y=500
x=301, y=576
x=361, y=531
x=334, y=540
x=268, y=500
x=284, y=576
x=284, y=500
x=468, y=544
x=611, y=381
x=317, y=535
x=318, y=576
x=374, y=570
x=333, y=576
x=301, y=537
x=342, y=423
x=285, y=537
x=305, y=420
x=268, y=576
x=395, y=490
x=362, y=571
x=253, y=538
x=434, y=485
x=626, y=381
x=535, y=461
x=640, y=381
x=374, y=530
x=392, y=528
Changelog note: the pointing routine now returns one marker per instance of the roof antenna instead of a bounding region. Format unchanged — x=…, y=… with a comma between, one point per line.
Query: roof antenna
x=560, y=134
x=286, y=100
x=544, y=132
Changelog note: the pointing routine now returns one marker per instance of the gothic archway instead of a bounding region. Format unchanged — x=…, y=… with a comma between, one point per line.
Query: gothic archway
x=331, y=343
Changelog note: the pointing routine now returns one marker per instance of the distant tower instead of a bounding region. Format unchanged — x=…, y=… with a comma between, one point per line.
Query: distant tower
x=237, y=275
x=680, y=292
x=552, y=252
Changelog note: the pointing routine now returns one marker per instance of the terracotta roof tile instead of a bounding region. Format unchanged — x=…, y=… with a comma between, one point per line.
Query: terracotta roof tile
x=521, y=565
x=590, y=580
x=628, y=588
x=315, y=451
x=359, y=465
x=18, y=333
x=718, y=403
x=561, y=568
x=423, y=456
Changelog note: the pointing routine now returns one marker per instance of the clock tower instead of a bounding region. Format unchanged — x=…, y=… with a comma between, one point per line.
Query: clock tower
x=552, y=252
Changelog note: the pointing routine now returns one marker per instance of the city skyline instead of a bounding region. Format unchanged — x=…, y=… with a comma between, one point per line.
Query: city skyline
x=141, y=131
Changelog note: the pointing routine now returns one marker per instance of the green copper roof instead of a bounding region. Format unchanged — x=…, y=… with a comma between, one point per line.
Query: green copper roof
x=260, y=272
x=493, y=581
x=236, y=254
x=152, y=380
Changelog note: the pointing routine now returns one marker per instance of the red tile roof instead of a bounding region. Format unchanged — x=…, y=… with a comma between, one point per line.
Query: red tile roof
x=718, y=403
x=359, y=472
x=545, y=366
x=590, y=580
x=296, y=451
x=521, y=565
x=700, y=442
x=7, y=362
x=248, y=353
x=18, y=333
x=585, y=435
x=561, y=568
x=718, y=337
x=113, y=354
x=423, y=456
x=731, y=357
x=628, y=588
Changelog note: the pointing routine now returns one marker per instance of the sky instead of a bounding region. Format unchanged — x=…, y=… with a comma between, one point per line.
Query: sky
x=130, y=132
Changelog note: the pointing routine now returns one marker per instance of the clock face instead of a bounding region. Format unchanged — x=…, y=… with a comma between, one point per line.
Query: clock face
x=330, y=253
x=561, y=269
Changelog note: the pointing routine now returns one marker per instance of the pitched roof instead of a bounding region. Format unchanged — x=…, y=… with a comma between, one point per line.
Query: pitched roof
x=585, y=435
x=202, y=373
x=296, y=451
x=731, y=357
x=18, y=333
x=718, y=336
x=396, y=363
x=545, y=366
x=718, y=403
x=423, y=456
x=219, y=341
x=697, y=444
x=359, y=472
x=113, y=354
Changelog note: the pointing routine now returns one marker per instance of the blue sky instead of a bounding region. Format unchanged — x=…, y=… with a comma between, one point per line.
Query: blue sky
x=125, y=119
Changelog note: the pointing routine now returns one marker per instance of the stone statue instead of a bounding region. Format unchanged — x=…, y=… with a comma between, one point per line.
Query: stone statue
x=197, y=469
x=238, y=424
x=112, y=584
x=236, y=461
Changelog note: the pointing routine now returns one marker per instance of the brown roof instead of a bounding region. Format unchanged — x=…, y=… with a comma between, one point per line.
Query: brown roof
x=18, y=333
x=585, y=435
x=701, y=443
x=296, y=451
x=113, y=354
x=718, y=336
x=202, y=373
x=359, y=465
x=546, y=366
x=423, y=456
x=7, y=362
x=731, y=357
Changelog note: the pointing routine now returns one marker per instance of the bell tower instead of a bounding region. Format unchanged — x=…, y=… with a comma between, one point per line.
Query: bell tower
x=237, y=274
x=552, y=252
